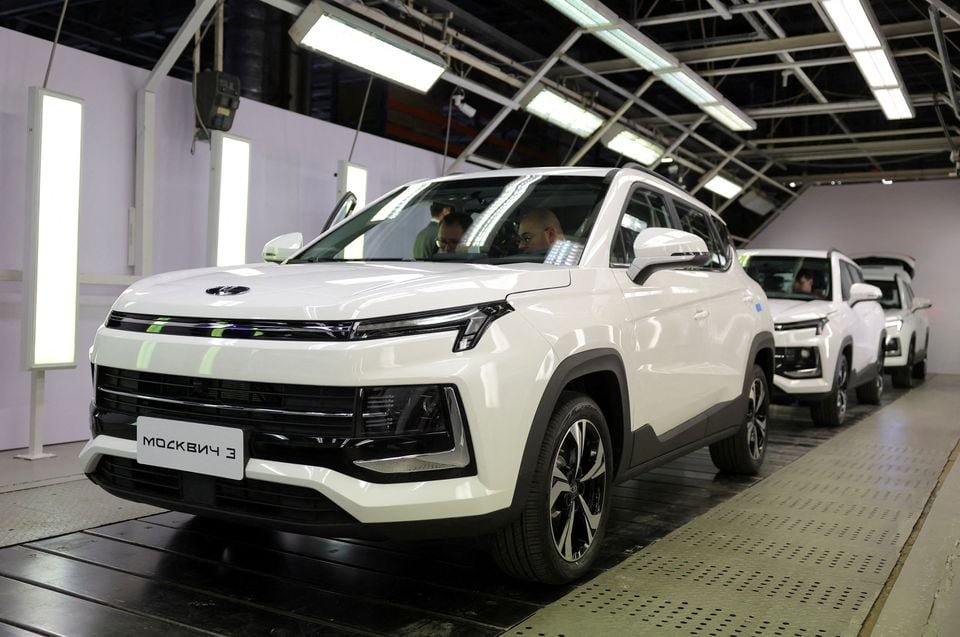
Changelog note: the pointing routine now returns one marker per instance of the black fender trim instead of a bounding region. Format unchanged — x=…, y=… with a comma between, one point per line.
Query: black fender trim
x=576, y=366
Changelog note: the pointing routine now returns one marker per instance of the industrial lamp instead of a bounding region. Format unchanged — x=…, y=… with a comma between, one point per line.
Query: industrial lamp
x=229, y=181
x=621, y=140
x=562, y=112
x=345, y=37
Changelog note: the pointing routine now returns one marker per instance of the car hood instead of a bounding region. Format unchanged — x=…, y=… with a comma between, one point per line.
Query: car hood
x=791, y=310
x=333, y=291
x=894, y=313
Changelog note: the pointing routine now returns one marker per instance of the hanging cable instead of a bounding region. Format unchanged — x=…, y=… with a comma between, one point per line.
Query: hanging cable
x=516, y=141
x=446, y=139
x=56, y=38
x=363, y=109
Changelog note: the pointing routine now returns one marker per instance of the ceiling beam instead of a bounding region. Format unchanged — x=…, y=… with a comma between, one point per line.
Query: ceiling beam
x=782, y=45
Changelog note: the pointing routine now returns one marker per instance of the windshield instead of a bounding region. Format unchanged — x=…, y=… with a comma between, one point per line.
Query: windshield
x=891, y=294
x=799, y=278
x=532, y=218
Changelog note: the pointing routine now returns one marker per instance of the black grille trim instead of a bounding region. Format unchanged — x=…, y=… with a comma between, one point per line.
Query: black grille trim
x=260, y=329
x=247, y=498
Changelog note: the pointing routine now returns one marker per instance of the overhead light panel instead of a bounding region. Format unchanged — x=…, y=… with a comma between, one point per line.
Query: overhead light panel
x=637, y=47
x=860, y=32
x=723, y=187
x=730, y=116
x=631, y=145
x=586, y=14
x=347, y=38
x=564, y=113
x=690, y=85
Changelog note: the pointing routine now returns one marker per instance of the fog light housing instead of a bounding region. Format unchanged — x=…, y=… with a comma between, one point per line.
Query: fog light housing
x=892, y=346
x=798, y=362
x=421, y=427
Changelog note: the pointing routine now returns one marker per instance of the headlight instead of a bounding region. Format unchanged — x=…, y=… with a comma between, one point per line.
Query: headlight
x=813, y=324
x=469, y=322
x=894, y=324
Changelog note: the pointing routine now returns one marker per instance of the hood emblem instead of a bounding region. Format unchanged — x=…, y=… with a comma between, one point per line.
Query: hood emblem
x=227, y=290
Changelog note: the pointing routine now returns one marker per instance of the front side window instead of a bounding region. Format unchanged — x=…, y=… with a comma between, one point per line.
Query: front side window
x=783, y=277
x=845, y=281
x=891, y=293
x=697, y=222
x=644, y=209
x=531, y=218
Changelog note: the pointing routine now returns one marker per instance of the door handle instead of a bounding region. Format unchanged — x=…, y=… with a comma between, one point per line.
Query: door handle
x=699, y=315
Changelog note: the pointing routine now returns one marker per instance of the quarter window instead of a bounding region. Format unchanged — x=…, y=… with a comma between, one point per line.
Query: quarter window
x=845, y=281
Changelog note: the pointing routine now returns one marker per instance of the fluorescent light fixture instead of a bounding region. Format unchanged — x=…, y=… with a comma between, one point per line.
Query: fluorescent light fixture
x=730, y=116
x=634, y=146
x=637, y=47
x=586, y=14
x=894, y=103
x=352, y=178
x=347, y=38
x=50, y=272
x=876, y=68
x=858, y=27
x=691, y=86
x=229, y=185
x=886, y=182
x=854, y=24
x=723, y=187
x=562, y=112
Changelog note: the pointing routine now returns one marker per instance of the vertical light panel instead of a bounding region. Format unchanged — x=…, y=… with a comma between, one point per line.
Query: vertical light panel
x=50, y=272
x=352, y=178
x=229, y=188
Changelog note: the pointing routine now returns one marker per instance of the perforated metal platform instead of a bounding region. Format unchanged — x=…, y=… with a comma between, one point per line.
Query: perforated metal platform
x=805, y=552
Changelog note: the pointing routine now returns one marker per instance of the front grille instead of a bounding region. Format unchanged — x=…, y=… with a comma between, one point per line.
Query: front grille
x=264, y=407
x=256, y=498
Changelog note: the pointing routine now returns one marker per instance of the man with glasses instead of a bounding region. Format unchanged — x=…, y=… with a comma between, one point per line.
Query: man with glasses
x=451, y=230
x=539, y=229
x=425, y=246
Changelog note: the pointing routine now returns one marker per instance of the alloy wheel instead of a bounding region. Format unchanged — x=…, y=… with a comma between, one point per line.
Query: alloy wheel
x=577, y=489
x=757, y=408
x=842, y=392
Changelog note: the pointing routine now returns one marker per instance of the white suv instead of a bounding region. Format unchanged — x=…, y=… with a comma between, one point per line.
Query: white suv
x=908, y=328
x=587, y=325
x=829, y=329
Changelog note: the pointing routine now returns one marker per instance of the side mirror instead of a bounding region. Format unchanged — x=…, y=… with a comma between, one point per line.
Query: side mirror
x=860, y=292
x=345, y=206
x=920, y=303
x=658, y=249
x=278, y=249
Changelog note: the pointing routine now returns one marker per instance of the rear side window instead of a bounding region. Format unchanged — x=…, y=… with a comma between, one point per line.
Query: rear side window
x=644, y=209
x=698, y=222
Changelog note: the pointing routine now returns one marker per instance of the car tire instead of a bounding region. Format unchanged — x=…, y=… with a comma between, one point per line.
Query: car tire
x=903, y=376
x=744, y=451
x=832, y=410
x=920, y=367
x=557, y=536
x=870, y=393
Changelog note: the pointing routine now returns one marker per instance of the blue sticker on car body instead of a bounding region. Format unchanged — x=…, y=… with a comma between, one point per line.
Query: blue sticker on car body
x=758, y=307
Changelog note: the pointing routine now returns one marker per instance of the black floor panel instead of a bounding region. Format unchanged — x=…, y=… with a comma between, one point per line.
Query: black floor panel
x=174, y=574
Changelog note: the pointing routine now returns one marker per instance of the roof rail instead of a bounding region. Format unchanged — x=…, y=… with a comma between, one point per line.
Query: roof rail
x=634, y=166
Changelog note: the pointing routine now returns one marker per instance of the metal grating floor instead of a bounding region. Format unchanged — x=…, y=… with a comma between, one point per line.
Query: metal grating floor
x=804, y=552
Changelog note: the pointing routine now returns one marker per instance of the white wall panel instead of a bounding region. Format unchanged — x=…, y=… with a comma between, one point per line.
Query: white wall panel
x=292, y=187
x=921, y=219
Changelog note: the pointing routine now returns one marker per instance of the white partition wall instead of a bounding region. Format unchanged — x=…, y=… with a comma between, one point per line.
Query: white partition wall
x=292, y=187
x=921, y=219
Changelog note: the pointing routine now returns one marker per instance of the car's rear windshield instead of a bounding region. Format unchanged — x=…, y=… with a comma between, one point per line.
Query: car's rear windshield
x=783, y=277
x=533, y=218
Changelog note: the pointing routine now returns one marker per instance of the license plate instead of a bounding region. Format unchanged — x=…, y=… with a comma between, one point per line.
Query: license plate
x=188, y=446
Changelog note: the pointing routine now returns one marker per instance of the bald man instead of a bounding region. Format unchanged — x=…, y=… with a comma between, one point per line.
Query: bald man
x=539, y=229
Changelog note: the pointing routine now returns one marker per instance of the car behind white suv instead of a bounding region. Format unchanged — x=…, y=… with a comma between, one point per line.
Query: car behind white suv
x=499, y=387
x=829, y=329
x=908, y=328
